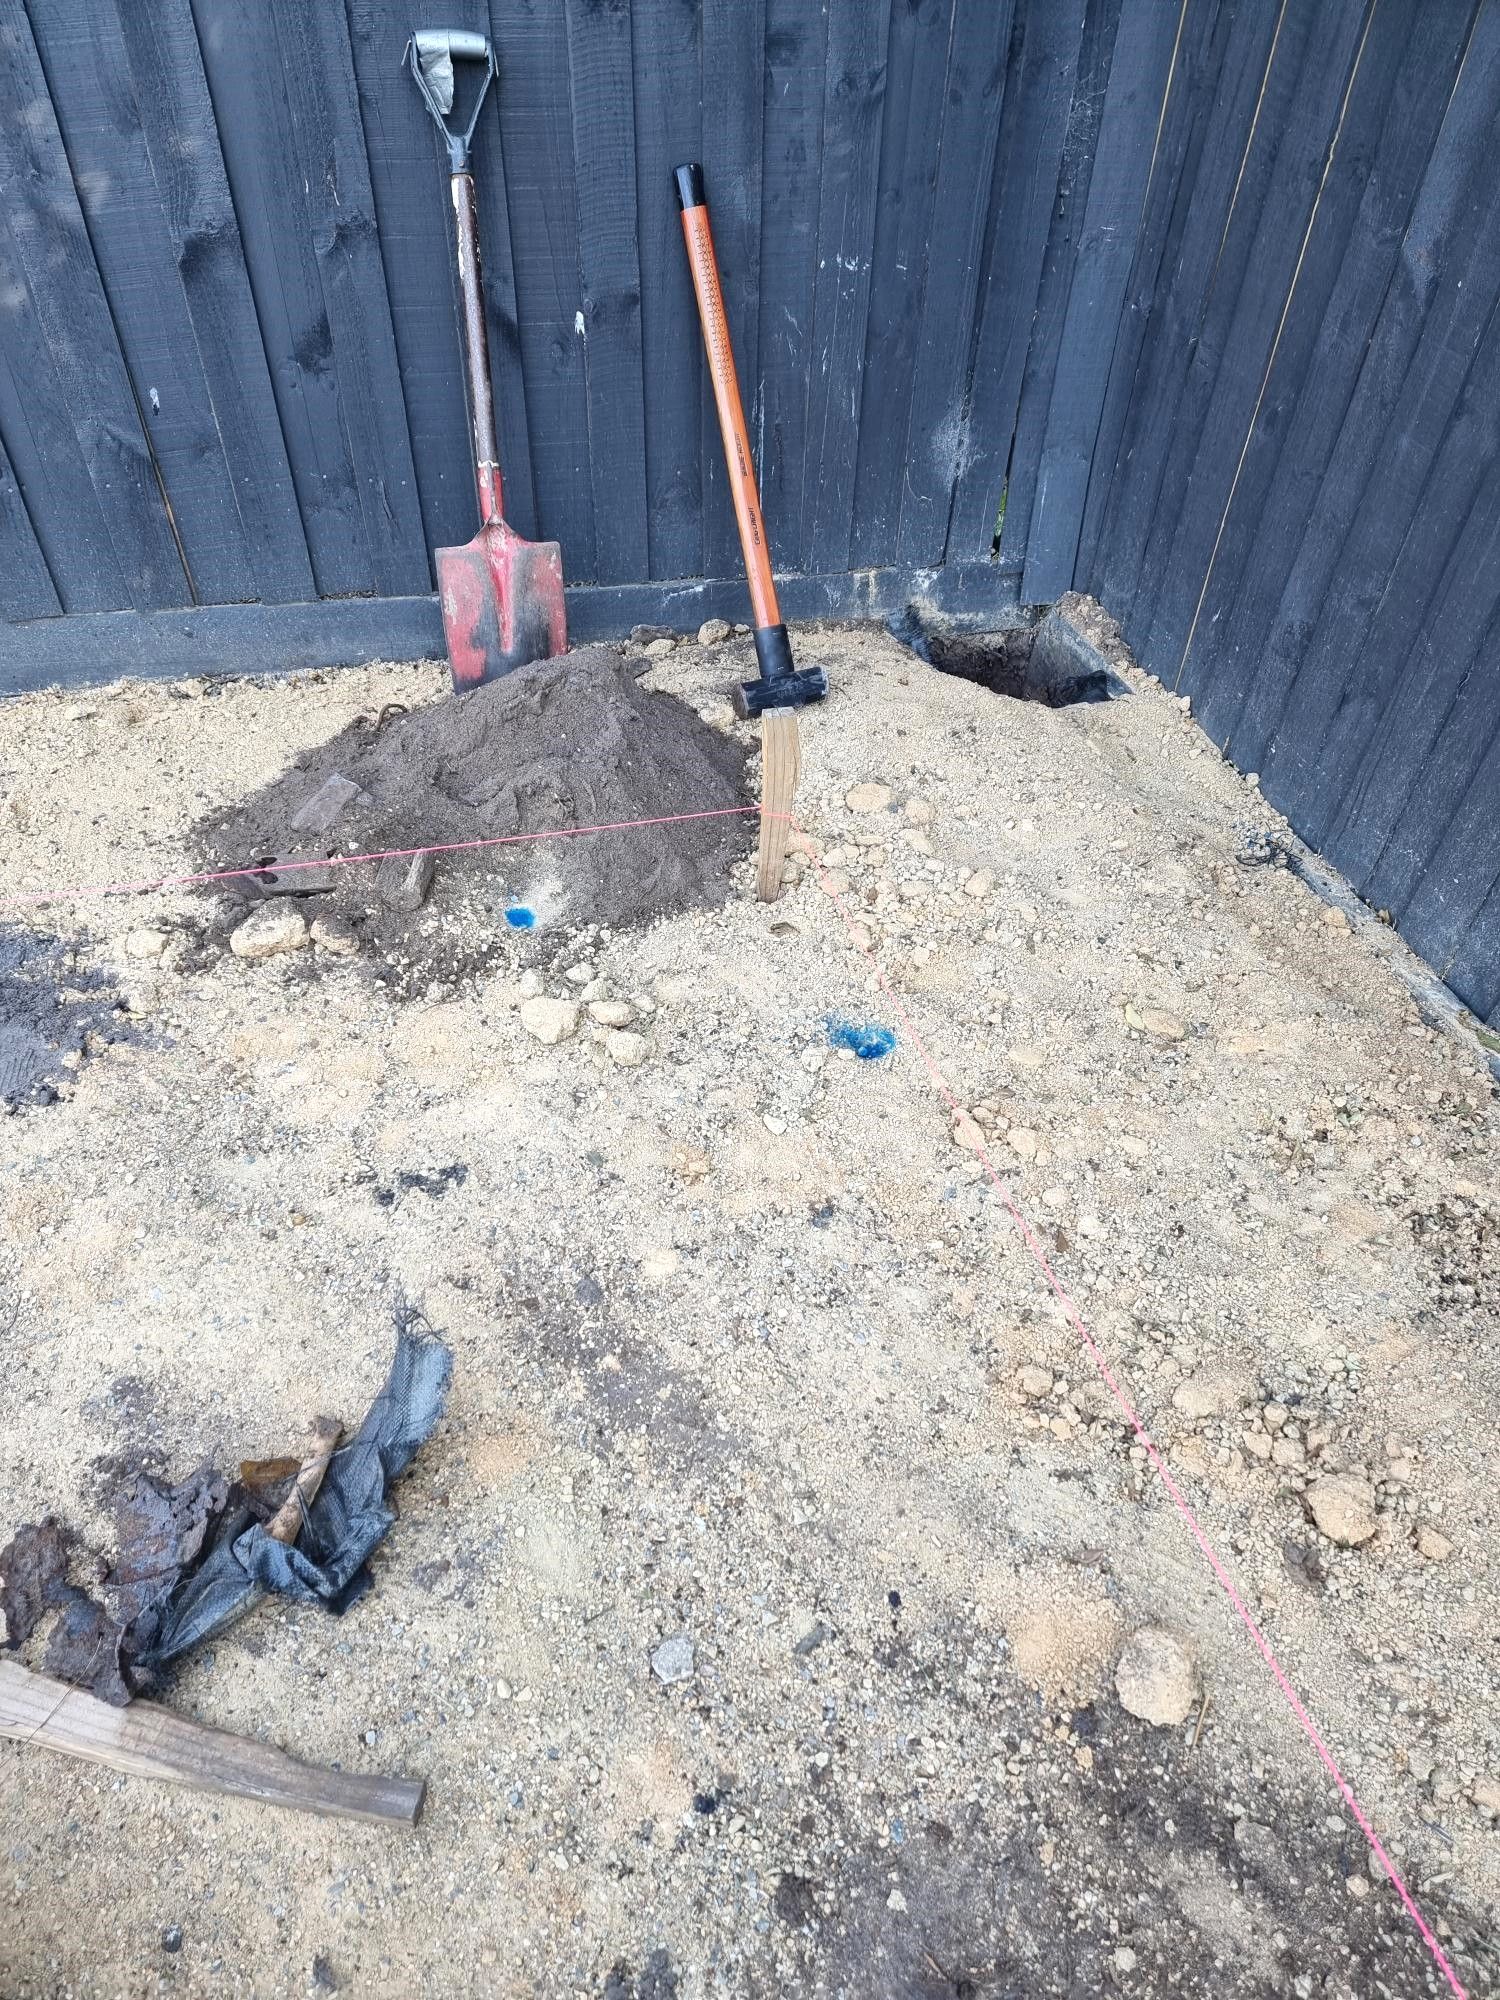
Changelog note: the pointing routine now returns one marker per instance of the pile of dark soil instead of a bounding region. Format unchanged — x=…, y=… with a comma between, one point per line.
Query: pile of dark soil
x=571, y=742
x=50, y=1012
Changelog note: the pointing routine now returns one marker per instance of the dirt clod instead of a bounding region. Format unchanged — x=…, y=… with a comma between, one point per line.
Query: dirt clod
x=1155, y=1677
x=1343, y=1507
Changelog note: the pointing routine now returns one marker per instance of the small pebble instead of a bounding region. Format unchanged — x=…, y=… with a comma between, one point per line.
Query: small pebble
x=673, y=1660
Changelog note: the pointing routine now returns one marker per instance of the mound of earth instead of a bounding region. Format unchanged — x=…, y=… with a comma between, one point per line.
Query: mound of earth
x=565, y=743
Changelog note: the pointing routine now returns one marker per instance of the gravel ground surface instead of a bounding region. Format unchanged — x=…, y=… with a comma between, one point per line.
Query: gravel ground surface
x=783, y=1606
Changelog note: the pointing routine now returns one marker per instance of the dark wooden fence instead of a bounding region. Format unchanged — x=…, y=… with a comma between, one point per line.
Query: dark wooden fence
x=1196, y=298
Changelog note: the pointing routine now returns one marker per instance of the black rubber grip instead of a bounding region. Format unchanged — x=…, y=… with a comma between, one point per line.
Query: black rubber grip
x=690, y=189
x=773, y=650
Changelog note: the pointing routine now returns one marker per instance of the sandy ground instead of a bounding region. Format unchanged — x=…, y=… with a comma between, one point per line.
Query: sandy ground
x=740, y=1335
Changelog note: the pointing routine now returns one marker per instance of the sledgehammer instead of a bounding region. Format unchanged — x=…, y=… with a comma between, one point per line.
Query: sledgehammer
x=780, y=684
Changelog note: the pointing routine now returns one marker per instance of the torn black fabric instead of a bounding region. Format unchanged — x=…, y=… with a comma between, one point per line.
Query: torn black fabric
x=349, y=1518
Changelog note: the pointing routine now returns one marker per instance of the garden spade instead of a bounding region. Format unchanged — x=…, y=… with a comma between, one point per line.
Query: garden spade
x=502, y=596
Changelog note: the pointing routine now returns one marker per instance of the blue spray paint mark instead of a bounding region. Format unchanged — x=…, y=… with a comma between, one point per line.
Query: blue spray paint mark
x=869, y=1041
x=520, y=918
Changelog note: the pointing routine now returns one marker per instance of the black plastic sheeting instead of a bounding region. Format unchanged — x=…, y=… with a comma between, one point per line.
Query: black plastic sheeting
x=350, y=1517
x=193, y=1557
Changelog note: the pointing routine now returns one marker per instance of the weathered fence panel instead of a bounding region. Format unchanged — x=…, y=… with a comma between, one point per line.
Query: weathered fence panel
x=1188, y=302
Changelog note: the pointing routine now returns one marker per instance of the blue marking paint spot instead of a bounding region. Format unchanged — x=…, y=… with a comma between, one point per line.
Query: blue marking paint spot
x=869, y=1040
x=520, y=918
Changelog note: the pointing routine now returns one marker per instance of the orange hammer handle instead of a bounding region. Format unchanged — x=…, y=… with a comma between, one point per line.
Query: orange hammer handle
x=742, y=486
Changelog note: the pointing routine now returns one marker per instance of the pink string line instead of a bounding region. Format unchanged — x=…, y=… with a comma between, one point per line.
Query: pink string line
x=95, y=889
x=1199, y=1534
x=1029, y=1236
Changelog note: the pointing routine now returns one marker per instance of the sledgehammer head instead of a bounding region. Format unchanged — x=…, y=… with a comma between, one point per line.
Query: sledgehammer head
x=780, y=684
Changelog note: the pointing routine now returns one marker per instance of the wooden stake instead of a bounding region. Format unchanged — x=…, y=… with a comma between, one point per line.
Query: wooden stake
x=150, y=1742
x=780, y=768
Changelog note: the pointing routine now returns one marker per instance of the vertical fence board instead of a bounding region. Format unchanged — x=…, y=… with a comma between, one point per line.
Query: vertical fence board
x=1045, y=349
x=921, y=42
x=88, y=72
x=25, y=581
x=853, y=107
x=1328, y=330
x=1038, y=96
x=1440, y=300
x=536, y=130
x=600, y=92
x=1139, y=75
x=1474, y=969
x=1241, y=335
x=932, y=437
x=792, y=169
x=265, y=126
x=733, y=53
x=187, y=167
x=1448, y=865
x=55, y=261
x=1169, y=195
x=1283, y=173
x=62, y=509
x=317, y=66
x=1167, y=345
x=668, y=132
x=1442, y=596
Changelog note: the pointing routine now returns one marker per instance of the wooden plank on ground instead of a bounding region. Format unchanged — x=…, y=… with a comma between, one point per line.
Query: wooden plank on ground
x=531, y=45
x=601, y=93
x=793, y=89
x=414, y=214
x=1145, y=48
x=145, y=1741
x=1167, y=345
x=1074, y=177
x=67, y=303
x=780, y=768
x=669, y=132
x=734, y=80
x=1380, y=163
x=1037, y=100
x=853, y=107
x=171, y=100
x=973, y=108
x=921, y=43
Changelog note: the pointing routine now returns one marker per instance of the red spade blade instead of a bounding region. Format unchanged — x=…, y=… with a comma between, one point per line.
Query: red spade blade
x=502, y=602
